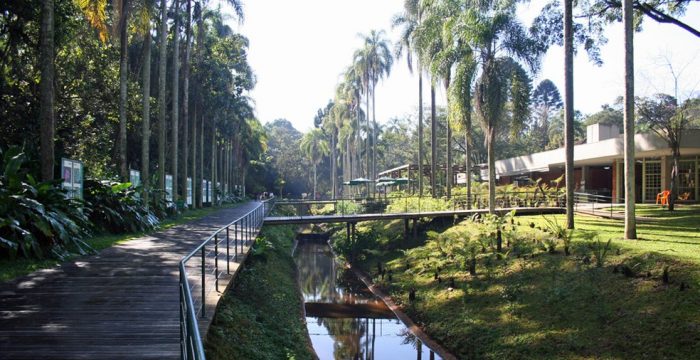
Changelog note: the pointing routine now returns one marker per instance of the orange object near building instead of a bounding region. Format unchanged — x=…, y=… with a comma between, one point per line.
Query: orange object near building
x=662, y=197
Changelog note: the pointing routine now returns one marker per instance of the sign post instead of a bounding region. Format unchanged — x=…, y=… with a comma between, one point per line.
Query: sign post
x=169, y=187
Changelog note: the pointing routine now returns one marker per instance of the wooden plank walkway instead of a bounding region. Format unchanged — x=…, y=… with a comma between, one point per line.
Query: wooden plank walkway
x=354, y=218
x=122, y=303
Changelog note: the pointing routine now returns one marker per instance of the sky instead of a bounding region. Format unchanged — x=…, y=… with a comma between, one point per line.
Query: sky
x=299, y=49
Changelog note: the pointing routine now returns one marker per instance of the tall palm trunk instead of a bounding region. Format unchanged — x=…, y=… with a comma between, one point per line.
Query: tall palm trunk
x=315, y=180
x=367, y=148
x=676, y=155
x=176, y=98
x=198, y=142
x=46, y=89
x=421, y=150
x=334, y=166
x=491, y=136
x=123, y=68
x=162, y=73
x=433, y=142
x=373, y=174
x=468, y=163
x=448, y=166
x=213, y=162
x=630, y=220
x=569, y=111
x=186, y=99
x=146, y=124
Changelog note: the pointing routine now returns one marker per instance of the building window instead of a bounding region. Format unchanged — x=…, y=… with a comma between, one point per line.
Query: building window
x=652, y=179
x=687, y=179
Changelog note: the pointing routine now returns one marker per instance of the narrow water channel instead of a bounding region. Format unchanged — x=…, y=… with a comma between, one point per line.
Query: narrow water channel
x=344, y=319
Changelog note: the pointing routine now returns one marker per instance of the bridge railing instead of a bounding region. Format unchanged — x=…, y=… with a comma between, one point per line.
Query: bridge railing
x=203, y=263
x=585, y=200
x=418, y=204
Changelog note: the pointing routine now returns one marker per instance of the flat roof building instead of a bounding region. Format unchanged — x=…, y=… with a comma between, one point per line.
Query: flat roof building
x=598, y=165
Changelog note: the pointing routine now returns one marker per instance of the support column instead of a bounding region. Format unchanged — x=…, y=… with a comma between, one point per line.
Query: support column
x=405, y=229
x=415, y=229
x=584, y=178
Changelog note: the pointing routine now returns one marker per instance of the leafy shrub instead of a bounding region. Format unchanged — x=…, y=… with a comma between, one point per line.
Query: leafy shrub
x=599, y=250
x=116, y=207
x=348, y=207
x=560, y=232
x=36, y=217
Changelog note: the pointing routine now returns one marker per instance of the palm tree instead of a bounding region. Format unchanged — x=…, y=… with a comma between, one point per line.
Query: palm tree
x=630, y=220
x=175, y=93
x=184, y=163
x=145, y=27
x=162, y=73
x=315, y=147
x=46, y=89
x=499, y=40
x=569, y=110
x=375, y=61
x=409, y=20
x=123, y=16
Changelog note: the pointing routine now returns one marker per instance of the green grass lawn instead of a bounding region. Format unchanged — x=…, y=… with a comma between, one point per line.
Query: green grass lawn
x=552, y=306
x=10, y=269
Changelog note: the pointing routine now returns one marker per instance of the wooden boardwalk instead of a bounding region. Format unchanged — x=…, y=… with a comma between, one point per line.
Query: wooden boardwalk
x=355, y=218
x=122, y=303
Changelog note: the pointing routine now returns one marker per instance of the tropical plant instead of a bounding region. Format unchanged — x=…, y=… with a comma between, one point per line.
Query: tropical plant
x=117, y=207
x=36, y=218
x=560, y=232
x=315, y=148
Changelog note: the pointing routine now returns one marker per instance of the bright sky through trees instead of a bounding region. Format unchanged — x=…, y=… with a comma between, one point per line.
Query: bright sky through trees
x=298, y=49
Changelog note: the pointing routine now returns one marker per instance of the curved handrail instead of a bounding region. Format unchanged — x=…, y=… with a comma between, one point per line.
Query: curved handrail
x=191, y=346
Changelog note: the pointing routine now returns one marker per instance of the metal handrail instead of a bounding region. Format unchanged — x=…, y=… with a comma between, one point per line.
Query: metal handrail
x=247, y=226
x=593, y=199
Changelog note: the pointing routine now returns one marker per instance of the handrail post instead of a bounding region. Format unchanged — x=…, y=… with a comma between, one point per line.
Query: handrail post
x=204, y=294
x=228, y=255
x=216, y=261
x=235, y=242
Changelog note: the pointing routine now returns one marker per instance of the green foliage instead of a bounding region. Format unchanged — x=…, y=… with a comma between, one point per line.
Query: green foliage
x=117, y=207
x=598, y=248
x=348, y=207
x=36, y=218
x=260, y=317
x=559, y=231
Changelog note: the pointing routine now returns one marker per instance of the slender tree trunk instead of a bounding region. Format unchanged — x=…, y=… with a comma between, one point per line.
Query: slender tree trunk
x=491, y=136
x=433, y=142
x=196, y=180
x=314, y=181
x=468, y=164
x=162, y=108
x=421, y=149
x=334, y=166
x=123, y=71
x=448, y=166
x=213, y=163
x=373, y=174
x=46, y=89
x=186, y=99
x=569, y=111
x=175, y=126
x=146, y=124
x=199, y=109
x=201, y=152
x=630, y=220
x=676, y=153
x=368, y=147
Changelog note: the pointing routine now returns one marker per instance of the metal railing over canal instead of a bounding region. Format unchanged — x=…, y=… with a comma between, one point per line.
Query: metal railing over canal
x=224, y=244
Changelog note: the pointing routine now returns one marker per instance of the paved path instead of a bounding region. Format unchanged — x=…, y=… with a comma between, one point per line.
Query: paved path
x=122, y=303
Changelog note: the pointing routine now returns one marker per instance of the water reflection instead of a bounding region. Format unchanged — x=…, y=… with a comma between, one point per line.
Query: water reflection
x=346, y=321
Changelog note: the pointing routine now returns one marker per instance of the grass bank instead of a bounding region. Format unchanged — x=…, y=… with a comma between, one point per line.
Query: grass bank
x=10, y=269
x=533, y=301
x=260, y=316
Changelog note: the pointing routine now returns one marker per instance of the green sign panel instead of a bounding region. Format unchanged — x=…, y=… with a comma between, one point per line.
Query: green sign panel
x=189, y=191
